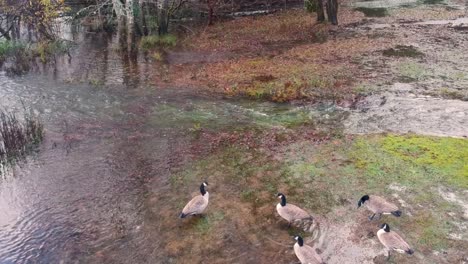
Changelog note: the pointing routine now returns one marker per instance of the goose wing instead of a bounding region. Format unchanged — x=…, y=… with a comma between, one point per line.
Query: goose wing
x=307, y=254
x=293, y=212
x=195, y=206
x=394, y=241
x=379, y=205
x=398, y=243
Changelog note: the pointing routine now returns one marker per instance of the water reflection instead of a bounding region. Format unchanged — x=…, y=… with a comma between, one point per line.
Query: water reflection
x=98, y=58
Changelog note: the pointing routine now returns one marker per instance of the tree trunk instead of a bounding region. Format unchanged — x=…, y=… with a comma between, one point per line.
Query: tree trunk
x=100, y=20
x=144, y=27
x=332, y=11
x=130, y=16
x=320, y=12
x=163, y=17
x=118, y=8
x=210, y=15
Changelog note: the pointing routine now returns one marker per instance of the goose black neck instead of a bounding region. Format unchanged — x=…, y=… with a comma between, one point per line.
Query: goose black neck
x=202, y=189
x=283, y=200
x=386, y=227
x=300, y=241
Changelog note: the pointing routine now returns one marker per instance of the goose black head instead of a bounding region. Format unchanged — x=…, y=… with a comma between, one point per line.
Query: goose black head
x=299, y=240
x=363, y=200
x=202, y=187
x=283, y=198
x=385, y=227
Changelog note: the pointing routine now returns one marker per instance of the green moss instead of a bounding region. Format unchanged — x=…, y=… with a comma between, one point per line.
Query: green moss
x=413, y=161
x=449, y=156
x=411, y=71
x=154, y=41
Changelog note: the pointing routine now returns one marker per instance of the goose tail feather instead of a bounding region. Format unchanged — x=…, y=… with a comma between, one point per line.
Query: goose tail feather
x=308, y=224
x=396, y=213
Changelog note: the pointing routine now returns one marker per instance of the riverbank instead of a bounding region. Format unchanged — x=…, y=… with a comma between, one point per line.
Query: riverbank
x=286, y=56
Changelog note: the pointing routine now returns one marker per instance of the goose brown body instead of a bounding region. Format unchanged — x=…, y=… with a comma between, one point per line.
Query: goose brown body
x=198, y=203
x=290, y=212
x=306, y=254
x=379, y=205
x=392, y=240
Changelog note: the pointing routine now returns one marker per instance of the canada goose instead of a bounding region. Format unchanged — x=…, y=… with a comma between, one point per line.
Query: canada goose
x=393, y=241
x=306, y=254
x=198, y=203
x=290, y=212
x=378, y=205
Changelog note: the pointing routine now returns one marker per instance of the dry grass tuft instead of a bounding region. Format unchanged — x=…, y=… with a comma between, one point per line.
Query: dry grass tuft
x=18, y=137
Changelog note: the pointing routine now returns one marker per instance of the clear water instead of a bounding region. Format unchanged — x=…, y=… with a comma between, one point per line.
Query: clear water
x=112, y=140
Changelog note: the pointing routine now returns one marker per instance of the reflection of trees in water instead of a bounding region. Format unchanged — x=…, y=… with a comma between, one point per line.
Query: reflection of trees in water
x=99, y=58
x=128, y=55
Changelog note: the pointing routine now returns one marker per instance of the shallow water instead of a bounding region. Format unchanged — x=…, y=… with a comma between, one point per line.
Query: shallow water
x=105, y=149
x=99, y=189
x=111, y=142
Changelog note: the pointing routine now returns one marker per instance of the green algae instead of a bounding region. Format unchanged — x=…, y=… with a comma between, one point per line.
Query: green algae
x=204, y=115
x=448, y=156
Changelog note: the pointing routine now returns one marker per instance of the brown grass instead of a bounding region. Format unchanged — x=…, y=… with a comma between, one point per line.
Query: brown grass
x=252, y=33
x=280, y=57
x=16, y=136
x=286, y=56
